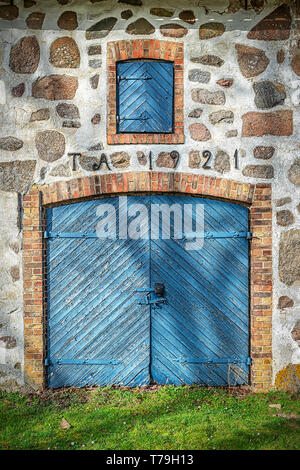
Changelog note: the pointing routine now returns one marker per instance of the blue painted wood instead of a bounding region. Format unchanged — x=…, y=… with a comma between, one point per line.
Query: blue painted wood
x=205, y=318
x=145, y=96
x=99, y=330
x=93, y=314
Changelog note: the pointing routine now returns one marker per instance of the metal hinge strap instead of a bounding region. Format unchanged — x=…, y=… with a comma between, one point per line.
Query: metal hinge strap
x=71, y=362
x=219, y=360
x=69, y=235
x=134, y=78
x=210, y=235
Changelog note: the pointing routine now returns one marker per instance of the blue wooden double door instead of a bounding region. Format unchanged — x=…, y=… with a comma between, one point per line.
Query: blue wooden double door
x=130, y=302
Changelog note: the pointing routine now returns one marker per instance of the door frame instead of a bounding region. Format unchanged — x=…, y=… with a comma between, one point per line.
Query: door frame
x=257, y=197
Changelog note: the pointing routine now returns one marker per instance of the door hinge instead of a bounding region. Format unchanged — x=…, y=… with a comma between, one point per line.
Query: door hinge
x=143, y=77
x=70, y=235
x=219, y=360
x=71, y=362
x=211, y=235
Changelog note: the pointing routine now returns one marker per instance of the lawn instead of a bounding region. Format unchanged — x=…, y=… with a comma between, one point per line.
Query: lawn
x=156, y=418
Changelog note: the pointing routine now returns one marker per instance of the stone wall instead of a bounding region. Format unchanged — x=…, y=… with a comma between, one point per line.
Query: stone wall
x=241, y=104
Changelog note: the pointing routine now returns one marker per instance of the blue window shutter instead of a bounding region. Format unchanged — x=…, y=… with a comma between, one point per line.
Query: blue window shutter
x=145, y=97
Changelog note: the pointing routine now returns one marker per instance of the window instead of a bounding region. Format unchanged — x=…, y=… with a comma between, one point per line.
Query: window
x=145, y=96
x=145, y=92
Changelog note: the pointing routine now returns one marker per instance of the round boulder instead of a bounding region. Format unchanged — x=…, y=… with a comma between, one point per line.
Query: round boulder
x=25, y=55
x=64, y=53
x=50, y=145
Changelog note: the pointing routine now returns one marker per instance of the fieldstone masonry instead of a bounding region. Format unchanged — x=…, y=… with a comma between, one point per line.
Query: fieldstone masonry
x=237, y=95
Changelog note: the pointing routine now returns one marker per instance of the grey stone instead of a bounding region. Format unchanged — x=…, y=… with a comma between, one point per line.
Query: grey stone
x=285, y=302
x=18, y=90
x=280, y=56
x=64, y=53
x=199, y=132
x=9, y=12
x=222, y=162
x=285, y=218
x=88, y=163
x=201, y=95
x=10, y=143
x=142, y=158
x=194, y=159
x=67, y=111
x=94, y=81
x=173, y=30
x=35, y=20
x=259, y=171
x=61, y=170
x=9, y=342
x=96, y=147
x=95, y=50
x=195, y=113
x=71, y=124
x=264, y=153
x=95, y=63
x=126, y=14
x=222, y=116
x=200, y=76
x=140, y=26
x=55, y=87
x=283, y=201
x=296, y=332
x=120, y=159
x=211, y=30
x=208, y=59
x=164, y=160
x=96, y=119
x=43, y=172
x=14, y=246
x=29, y=3
x=232, y=133
x=101, y=29
x=294, y=173
x=289, y=257
x=25, y=55
x=187, y=16
x=40, y=115
x=15, y=273
x=162, y=12
x=268, y=95
x=136, y=3
x=68, y=20
x=252, y=61
x=50, y=145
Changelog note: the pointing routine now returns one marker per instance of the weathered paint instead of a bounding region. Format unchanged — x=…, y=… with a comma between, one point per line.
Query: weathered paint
x=102, y=331
x=145, y=96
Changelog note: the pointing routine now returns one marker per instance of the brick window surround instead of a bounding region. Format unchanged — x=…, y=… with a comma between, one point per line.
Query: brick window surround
x=257, y=197
x=144, y=49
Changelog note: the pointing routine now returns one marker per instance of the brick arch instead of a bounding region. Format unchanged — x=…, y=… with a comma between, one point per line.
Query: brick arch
x=144, y=49
x=255, y=196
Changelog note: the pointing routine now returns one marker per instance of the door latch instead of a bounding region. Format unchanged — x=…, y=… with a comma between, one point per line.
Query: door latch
x=158, y=290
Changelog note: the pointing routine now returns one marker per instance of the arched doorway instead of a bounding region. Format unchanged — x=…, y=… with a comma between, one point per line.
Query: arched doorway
x=255, y=197
x=149, y=288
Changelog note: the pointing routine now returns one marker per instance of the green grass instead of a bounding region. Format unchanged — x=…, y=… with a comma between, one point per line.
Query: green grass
x=161, y=418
